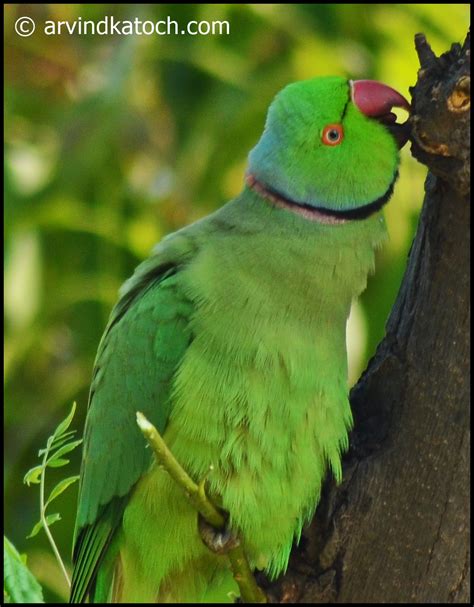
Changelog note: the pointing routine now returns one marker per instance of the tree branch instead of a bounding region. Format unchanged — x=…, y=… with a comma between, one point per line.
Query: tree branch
x=196, y=494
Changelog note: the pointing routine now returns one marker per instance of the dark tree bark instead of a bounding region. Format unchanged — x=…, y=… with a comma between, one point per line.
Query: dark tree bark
x=397, y=529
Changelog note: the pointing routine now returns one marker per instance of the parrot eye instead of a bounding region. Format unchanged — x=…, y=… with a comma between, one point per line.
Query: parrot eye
x=333, y=134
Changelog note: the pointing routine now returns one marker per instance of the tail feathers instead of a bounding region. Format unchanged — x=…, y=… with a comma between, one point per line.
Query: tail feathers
x=92, y=545
x=109, y=583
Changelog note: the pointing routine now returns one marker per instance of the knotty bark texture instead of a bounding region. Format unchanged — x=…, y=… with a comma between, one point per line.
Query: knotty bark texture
x=397, y=529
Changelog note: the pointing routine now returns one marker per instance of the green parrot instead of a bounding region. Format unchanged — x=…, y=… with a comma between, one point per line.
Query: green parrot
x=231, y=339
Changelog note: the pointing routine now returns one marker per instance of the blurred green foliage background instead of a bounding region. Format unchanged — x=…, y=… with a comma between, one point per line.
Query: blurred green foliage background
x=113, y=141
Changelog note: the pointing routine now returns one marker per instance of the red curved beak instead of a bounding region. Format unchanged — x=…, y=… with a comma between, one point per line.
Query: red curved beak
x=376, y=99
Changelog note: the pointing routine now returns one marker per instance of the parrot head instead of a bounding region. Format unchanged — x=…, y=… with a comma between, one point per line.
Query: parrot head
x=330, y=144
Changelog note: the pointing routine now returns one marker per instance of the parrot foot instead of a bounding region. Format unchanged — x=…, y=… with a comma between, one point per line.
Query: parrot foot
x=219, y=541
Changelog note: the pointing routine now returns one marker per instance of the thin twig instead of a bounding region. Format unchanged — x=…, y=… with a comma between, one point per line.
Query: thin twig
x=196, y=494
x=43, y=516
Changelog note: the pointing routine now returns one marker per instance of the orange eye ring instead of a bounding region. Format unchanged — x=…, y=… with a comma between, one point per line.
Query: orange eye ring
x=333, y=134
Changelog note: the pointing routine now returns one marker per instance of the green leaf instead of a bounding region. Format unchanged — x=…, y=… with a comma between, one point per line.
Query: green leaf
x=64, y=425
x=36, y=529
x=57, y=463
x=33, y=475
x=57, y=442
x=60, y=440
x=60, y=487
x=50, y=519
x=19, y=584
x=63, y=450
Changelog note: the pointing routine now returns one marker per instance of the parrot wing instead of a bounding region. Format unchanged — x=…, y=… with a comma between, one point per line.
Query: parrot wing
x=142, y=346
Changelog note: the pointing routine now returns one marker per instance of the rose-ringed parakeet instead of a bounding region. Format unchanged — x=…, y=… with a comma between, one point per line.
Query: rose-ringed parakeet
x=231, y=338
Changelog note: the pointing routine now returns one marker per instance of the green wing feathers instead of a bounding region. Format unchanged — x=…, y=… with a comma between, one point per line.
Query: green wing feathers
x=143, y=344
